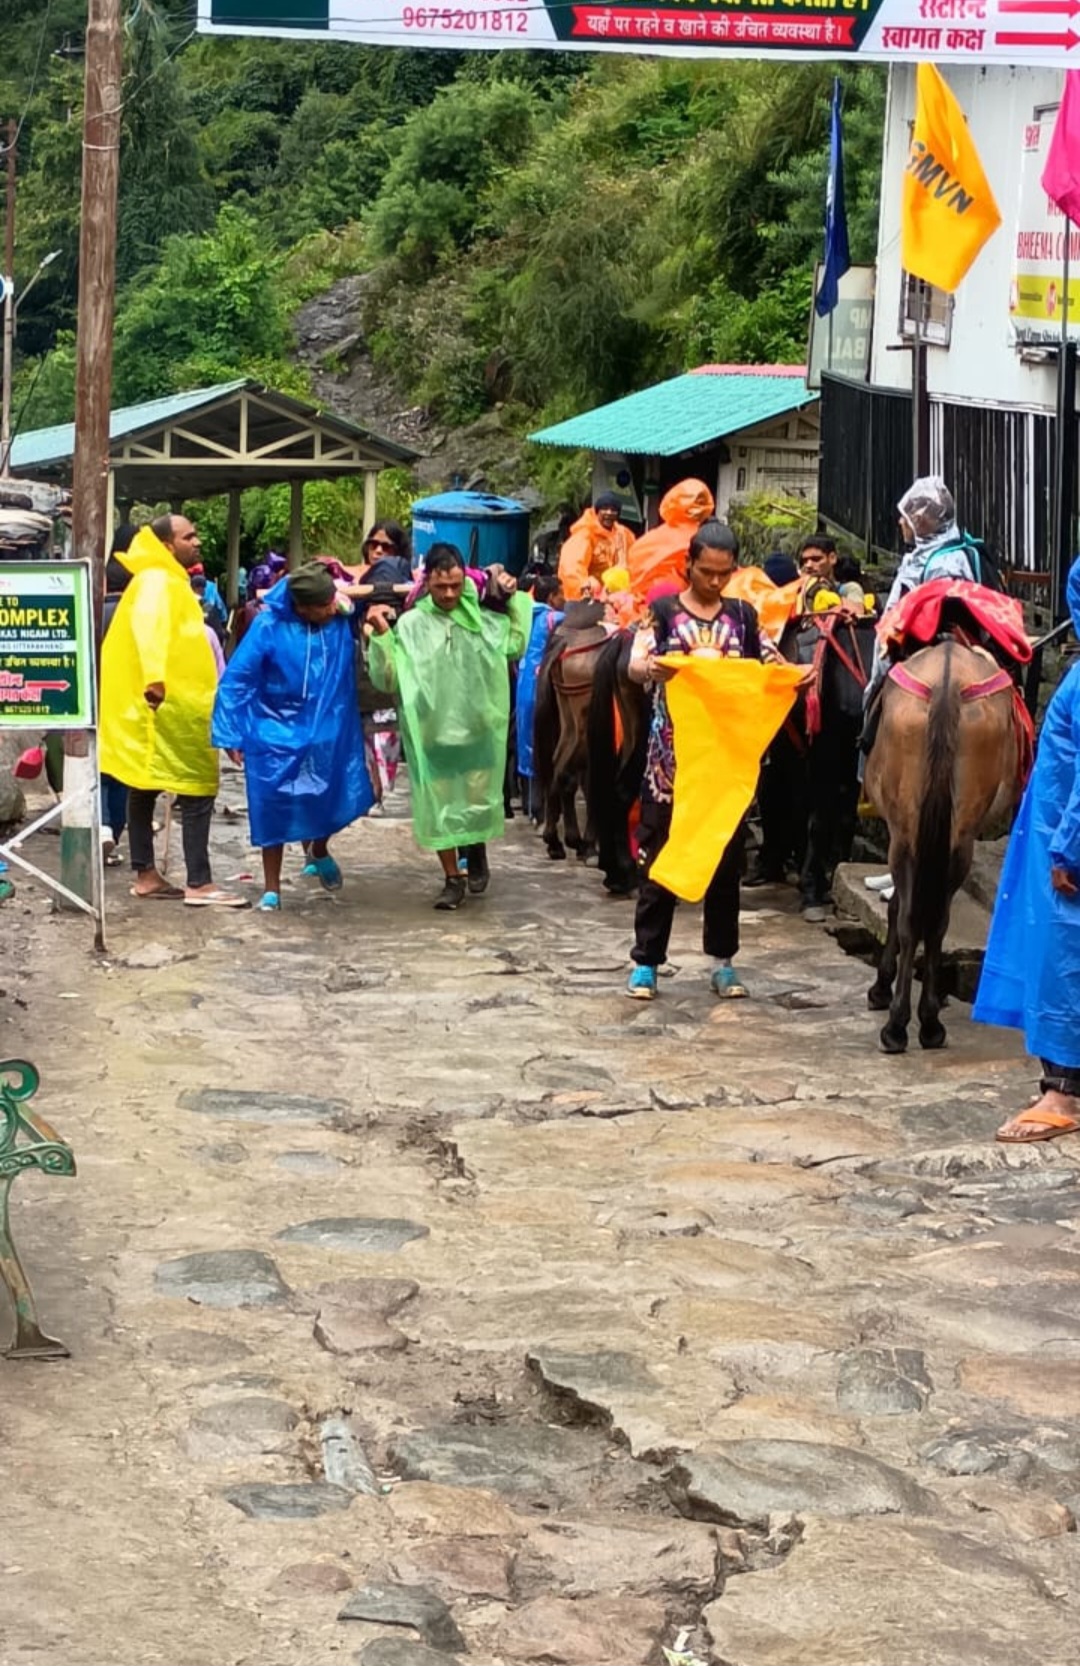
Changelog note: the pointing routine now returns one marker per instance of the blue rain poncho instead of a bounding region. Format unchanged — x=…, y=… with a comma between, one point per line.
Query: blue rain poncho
x=1031, y=974
x=288, y=702
x=450, y=678
x=544, y=620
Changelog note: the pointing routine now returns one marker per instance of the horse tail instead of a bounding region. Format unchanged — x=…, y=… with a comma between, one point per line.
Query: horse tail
x=932, y=883
x=546, y=720
x=607, y=816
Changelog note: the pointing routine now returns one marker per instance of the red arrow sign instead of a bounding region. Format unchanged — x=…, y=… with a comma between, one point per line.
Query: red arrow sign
x=1040, y=8
x=60, y=688
x=1064, y=43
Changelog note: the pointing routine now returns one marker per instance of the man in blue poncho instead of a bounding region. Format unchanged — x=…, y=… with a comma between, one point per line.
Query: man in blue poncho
x=287, y=707
x=1031, y=974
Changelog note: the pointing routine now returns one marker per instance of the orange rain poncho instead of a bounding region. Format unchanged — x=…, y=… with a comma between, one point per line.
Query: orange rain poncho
x=589, y=551
x=659, y=556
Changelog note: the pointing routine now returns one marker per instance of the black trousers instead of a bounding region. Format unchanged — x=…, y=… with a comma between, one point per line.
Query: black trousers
x=656, y=905
x=833, y=797
x=1063, y=1078
x=782, y=803
x=195, y=814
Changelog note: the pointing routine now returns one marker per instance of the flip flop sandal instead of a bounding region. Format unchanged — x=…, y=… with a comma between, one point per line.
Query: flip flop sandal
x=1045, y=1125
x=216, y=899
x=162, y=893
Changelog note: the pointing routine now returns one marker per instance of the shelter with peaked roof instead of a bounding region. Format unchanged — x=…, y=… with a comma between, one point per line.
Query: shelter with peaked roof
x=219, y=440
x=740, y=428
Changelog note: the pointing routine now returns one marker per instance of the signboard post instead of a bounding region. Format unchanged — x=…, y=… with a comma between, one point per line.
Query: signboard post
x=840, y=343
x=47, y=682
x=1009, y=32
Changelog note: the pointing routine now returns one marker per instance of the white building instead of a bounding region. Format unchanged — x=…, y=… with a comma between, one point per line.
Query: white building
x=992, y=375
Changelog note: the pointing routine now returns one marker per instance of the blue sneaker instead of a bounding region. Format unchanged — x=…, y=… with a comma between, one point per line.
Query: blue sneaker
x=310, y=870
x=642, y=984
x=727, y=983
x=328, y=872
x=269, y=903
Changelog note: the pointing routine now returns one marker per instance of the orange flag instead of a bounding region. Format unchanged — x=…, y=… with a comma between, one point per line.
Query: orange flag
x=724, y=713
x=948, y=209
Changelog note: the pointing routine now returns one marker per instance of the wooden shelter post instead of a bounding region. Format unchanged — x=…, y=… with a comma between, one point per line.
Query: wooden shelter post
x=296, y=522
x=232, y=551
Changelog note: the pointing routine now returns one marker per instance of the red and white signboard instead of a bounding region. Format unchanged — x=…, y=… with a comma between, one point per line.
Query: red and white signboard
x=1034, y=32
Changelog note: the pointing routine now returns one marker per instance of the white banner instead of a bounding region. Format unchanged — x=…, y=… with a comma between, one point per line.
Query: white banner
x=1036, y=32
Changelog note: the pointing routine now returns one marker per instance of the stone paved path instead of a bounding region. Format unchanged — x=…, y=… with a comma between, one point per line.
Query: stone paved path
x=429, y=1301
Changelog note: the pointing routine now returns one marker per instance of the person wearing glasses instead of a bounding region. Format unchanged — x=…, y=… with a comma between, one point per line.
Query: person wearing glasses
x=387, y=562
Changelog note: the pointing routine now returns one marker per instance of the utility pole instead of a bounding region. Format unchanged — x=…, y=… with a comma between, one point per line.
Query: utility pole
x=9, y=304
x=80, y=845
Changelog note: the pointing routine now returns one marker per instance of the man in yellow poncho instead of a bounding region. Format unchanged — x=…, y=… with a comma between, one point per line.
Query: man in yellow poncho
x=597, y=542
x=158, y=682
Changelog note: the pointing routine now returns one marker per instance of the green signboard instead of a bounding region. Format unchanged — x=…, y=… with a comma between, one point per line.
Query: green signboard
x=46, y=645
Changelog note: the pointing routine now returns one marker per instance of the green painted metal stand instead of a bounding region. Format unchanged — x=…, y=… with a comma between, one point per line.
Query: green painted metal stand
x=26, y=1142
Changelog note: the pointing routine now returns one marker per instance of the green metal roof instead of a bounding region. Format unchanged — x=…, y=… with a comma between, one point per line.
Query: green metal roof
x=685, y=412
x=53, y=445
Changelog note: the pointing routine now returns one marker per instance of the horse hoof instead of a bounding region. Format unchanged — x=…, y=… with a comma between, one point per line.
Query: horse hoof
x=878, y=1000
x=893, y=1041
x=933, y=1039
x=557, y=853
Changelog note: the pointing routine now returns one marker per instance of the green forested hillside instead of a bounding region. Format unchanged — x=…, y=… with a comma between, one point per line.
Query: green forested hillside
x=544, y=230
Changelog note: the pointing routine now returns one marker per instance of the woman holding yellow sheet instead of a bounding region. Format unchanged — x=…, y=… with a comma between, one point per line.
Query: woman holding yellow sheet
x=704, y=624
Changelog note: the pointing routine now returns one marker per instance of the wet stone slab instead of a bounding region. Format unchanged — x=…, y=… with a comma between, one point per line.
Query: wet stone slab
x=223, y=1278
x=406, y=1605
x=357, y=1233
x=400, y=1651
x=253, y=1423
x=882, y=1382
x=536, y=1462
x=245, y=1105
x=593, y=1381
x=288, y=1500
x=744, y=1482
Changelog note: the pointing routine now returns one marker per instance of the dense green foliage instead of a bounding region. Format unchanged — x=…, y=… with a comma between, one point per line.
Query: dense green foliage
x=541, y=230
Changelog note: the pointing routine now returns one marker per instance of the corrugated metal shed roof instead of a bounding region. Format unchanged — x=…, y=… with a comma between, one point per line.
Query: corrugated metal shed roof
x=685, y=412
x=211, y=440
x=51, y=445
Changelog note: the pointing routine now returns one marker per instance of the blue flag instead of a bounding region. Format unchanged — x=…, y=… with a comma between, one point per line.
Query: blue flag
x=837, y=258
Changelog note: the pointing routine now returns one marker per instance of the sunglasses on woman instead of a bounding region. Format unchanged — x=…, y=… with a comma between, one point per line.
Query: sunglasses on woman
x=379, y=544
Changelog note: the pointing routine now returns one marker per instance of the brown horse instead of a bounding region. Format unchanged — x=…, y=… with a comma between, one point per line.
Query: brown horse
x=618, y=733
x=947, y=761
x=560, y=747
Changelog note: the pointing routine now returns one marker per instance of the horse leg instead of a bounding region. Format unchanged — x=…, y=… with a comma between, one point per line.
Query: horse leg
x=555, y=847
x=894, y=1033
x=931, y=1029
x=879, y=995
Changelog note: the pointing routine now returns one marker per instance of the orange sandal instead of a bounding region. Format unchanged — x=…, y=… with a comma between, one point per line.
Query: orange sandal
x=1045, y=1125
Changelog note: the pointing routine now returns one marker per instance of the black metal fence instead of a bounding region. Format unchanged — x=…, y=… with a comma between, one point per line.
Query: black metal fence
x=999, y=464
x=866, y=453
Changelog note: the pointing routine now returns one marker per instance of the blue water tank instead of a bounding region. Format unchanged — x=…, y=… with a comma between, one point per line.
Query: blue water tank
x=486, y=529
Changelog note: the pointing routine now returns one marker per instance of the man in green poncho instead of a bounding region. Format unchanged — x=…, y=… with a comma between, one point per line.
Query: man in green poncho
x=446, y=663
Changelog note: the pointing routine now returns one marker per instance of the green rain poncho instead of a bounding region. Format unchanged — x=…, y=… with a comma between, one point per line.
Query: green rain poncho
x=449, y=675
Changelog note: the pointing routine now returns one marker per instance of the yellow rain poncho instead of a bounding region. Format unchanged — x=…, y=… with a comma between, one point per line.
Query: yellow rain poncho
x=157, y=635
x=724, y=713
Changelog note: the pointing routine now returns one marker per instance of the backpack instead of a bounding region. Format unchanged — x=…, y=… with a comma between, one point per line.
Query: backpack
x=981, y=558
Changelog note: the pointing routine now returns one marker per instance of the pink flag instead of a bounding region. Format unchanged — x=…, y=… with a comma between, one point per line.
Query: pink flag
x=1061, y=175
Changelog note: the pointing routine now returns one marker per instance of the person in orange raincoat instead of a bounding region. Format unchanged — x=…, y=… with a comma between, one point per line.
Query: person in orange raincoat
x=659, y=556
x=597, y=541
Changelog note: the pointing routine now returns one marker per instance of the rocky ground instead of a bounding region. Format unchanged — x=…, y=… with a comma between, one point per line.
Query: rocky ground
x=428, y=1301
